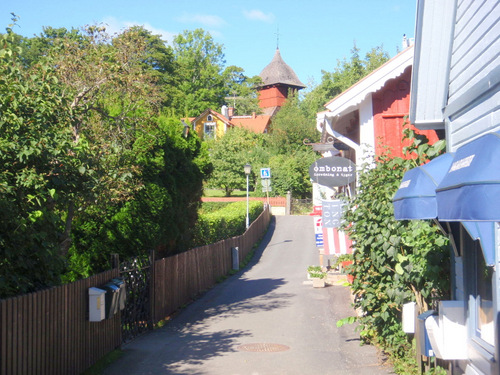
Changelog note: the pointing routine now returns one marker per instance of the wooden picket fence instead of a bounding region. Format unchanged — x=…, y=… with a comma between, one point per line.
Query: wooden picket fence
x=48, y=332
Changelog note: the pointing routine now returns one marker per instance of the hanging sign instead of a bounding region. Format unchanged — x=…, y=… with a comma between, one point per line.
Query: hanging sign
x=333, y=171
x=332, y=213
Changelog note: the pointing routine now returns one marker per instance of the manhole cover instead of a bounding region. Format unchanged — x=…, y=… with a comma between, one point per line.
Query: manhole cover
x=263, y=347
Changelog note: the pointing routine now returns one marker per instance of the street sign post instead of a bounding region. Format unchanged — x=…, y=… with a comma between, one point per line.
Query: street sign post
x=265, y=176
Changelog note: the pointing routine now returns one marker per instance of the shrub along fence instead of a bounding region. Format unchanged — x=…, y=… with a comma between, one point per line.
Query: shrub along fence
x=49, y=332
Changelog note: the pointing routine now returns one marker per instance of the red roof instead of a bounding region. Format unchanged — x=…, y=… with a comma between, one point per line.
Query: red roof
x=255, y=123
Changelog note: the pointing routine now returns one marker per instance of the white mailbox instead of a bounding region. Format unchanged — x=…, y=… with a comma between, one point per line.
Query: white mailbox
x=409, y=317
x=97, y=304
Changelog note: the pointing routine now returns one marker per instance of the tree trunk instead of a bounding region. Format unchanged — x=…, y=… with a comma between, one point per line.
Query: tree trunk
x=66, y=238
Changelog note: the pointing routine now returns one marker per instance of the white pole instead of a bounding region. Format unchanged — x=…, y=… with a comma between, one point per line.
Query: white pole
x=248, y=217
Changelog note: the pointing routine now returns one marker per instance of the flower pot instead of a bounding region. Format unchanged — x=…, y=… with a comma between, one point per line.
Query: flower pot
x=318, y=283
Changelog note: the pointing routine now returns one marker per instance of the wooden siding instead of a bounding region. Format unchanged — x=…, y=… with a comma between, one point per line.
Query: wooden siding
x=433, y=41
x=476, y=45
x=472, y=108
x=274, y=96
x=390, y=106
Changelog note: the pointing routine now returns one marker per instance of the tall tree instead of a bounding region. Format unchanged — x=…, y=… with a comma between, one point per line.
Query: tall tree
x=229, y=154
x=290, y=127
x=241, y=91
x=201, y=64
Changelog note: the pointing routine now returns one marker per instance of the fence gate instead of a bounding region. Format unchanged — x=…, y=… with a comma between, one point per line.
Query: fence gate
x=301, y=206
x=137, y=315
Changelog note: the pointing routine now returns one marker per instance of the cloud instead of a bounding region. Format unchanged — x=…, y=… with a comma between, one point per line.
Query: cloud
x=206, y=20
x=115, y=26
x=258, y=15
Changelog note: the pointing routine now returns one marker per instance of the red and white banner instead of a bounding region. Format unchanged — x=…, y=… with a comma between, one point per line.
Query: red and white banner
x=336, y=242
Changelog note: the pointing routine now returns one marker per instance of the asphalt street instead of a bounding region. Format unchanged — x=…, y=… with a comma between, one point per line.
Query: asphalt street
x=265, y=320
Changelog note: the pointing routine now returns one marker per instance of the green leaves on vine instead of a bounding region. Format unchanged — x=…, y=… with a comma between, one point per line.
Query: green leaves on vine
x=394, y=261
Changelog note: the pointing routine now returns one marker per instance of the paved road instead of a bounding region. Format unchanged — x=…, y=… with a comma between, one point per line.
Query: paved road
x=263, y=321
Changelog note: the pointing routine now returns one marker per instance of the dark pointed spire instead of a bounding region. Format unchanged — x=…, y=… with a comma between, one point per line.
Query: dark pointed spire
x=278, y=72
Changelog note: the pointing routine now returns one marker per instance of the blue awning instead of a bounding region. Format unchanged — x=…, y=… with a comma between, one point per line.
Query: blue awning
x=470, y=191
x=416, y=196
x=484, y=231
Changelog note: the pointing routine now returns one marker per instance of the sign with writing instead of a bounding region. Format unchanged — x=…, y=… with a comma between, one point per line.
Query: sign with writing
x=332, y=213
x=319, y=239
x=333, y=171
x=318, y=228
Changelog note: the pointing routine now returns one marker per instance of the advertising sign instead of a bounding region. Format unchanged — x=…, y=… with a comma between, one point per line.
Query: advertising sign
x=332, y=213
x=333, y=171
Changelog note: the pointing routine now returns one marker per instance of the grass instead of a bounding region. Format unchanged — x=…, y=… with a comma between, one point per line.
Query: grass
x=100, y=365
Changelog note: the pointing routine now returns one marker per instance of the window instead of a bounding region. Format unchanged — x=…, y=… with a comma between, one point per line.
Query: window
x=484, y=299
x=209, y=130
x=479, y=281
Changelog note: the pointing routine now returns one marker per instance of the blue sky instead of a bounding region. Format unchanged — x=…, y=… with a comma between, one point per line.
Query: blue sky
x=313, y=34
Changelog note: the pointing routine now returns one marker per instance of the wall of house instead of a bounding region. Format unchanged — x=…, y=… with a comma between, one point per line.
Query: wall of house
x=220, y=126
x=471, y=111
x=273, y=96
x=391, y=105
x=473, y=100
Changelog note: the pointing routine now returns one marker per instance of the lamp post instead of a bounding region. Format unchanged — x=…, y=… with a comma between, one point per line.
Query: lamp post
x=248, y=169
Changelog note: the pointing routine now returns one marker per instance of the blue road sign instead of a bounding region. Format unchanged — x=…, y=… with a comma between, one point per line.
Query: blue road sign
x=265, y=173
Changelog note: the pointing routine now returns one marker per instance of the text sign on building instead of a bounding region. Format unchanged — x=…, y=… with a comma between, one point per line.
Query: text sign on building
x=333, y=171
x=265, y=173
x=332, y=213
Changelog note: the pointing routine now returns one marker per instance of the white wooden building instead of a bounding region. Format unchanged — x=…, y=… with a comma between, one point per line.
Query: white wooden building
x=455, y=87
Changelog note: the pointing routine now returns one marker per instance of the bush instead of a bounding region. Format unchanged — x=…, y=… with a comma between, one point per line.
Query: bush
x=394, y=261
x=227, y=222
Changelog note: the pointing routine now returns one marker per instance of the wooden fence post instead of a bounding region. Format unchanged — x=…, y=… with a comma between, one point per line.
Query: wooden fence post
x=152, y=296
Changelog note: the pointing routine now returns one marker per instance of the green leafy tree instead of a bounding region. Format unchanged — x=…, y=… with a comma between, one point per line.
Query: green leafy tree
x=394, y=261
x=201, y=65
x=86, y=155
x=290, y=127
x=160, y=215
x=241, y=92
x=229, y=154
x=346, y=73
x=37, y=158
x=291, y=173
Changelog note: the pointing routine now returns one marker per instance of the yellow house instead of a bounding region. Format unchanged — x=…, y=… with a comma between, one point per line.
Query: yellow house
x=211, y=124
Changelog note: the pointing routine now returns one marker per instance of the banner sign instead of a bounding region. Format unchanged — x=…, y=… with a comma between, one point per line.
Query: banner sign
x=333, y=171
x=332, y=213
x=319, y=239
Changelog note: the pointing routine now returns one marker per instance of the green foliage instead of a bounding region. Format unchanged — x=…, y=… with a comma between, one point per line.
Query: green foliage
x=394, y=261
x=290, y=127
x=229, y=154
x=241, y=92
x=346, y=73
x=225, y=223
x=160, y=215
x=89, y=165
x=35, y=144
x=201, y=66
x=291, y=173
x=316, y=272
